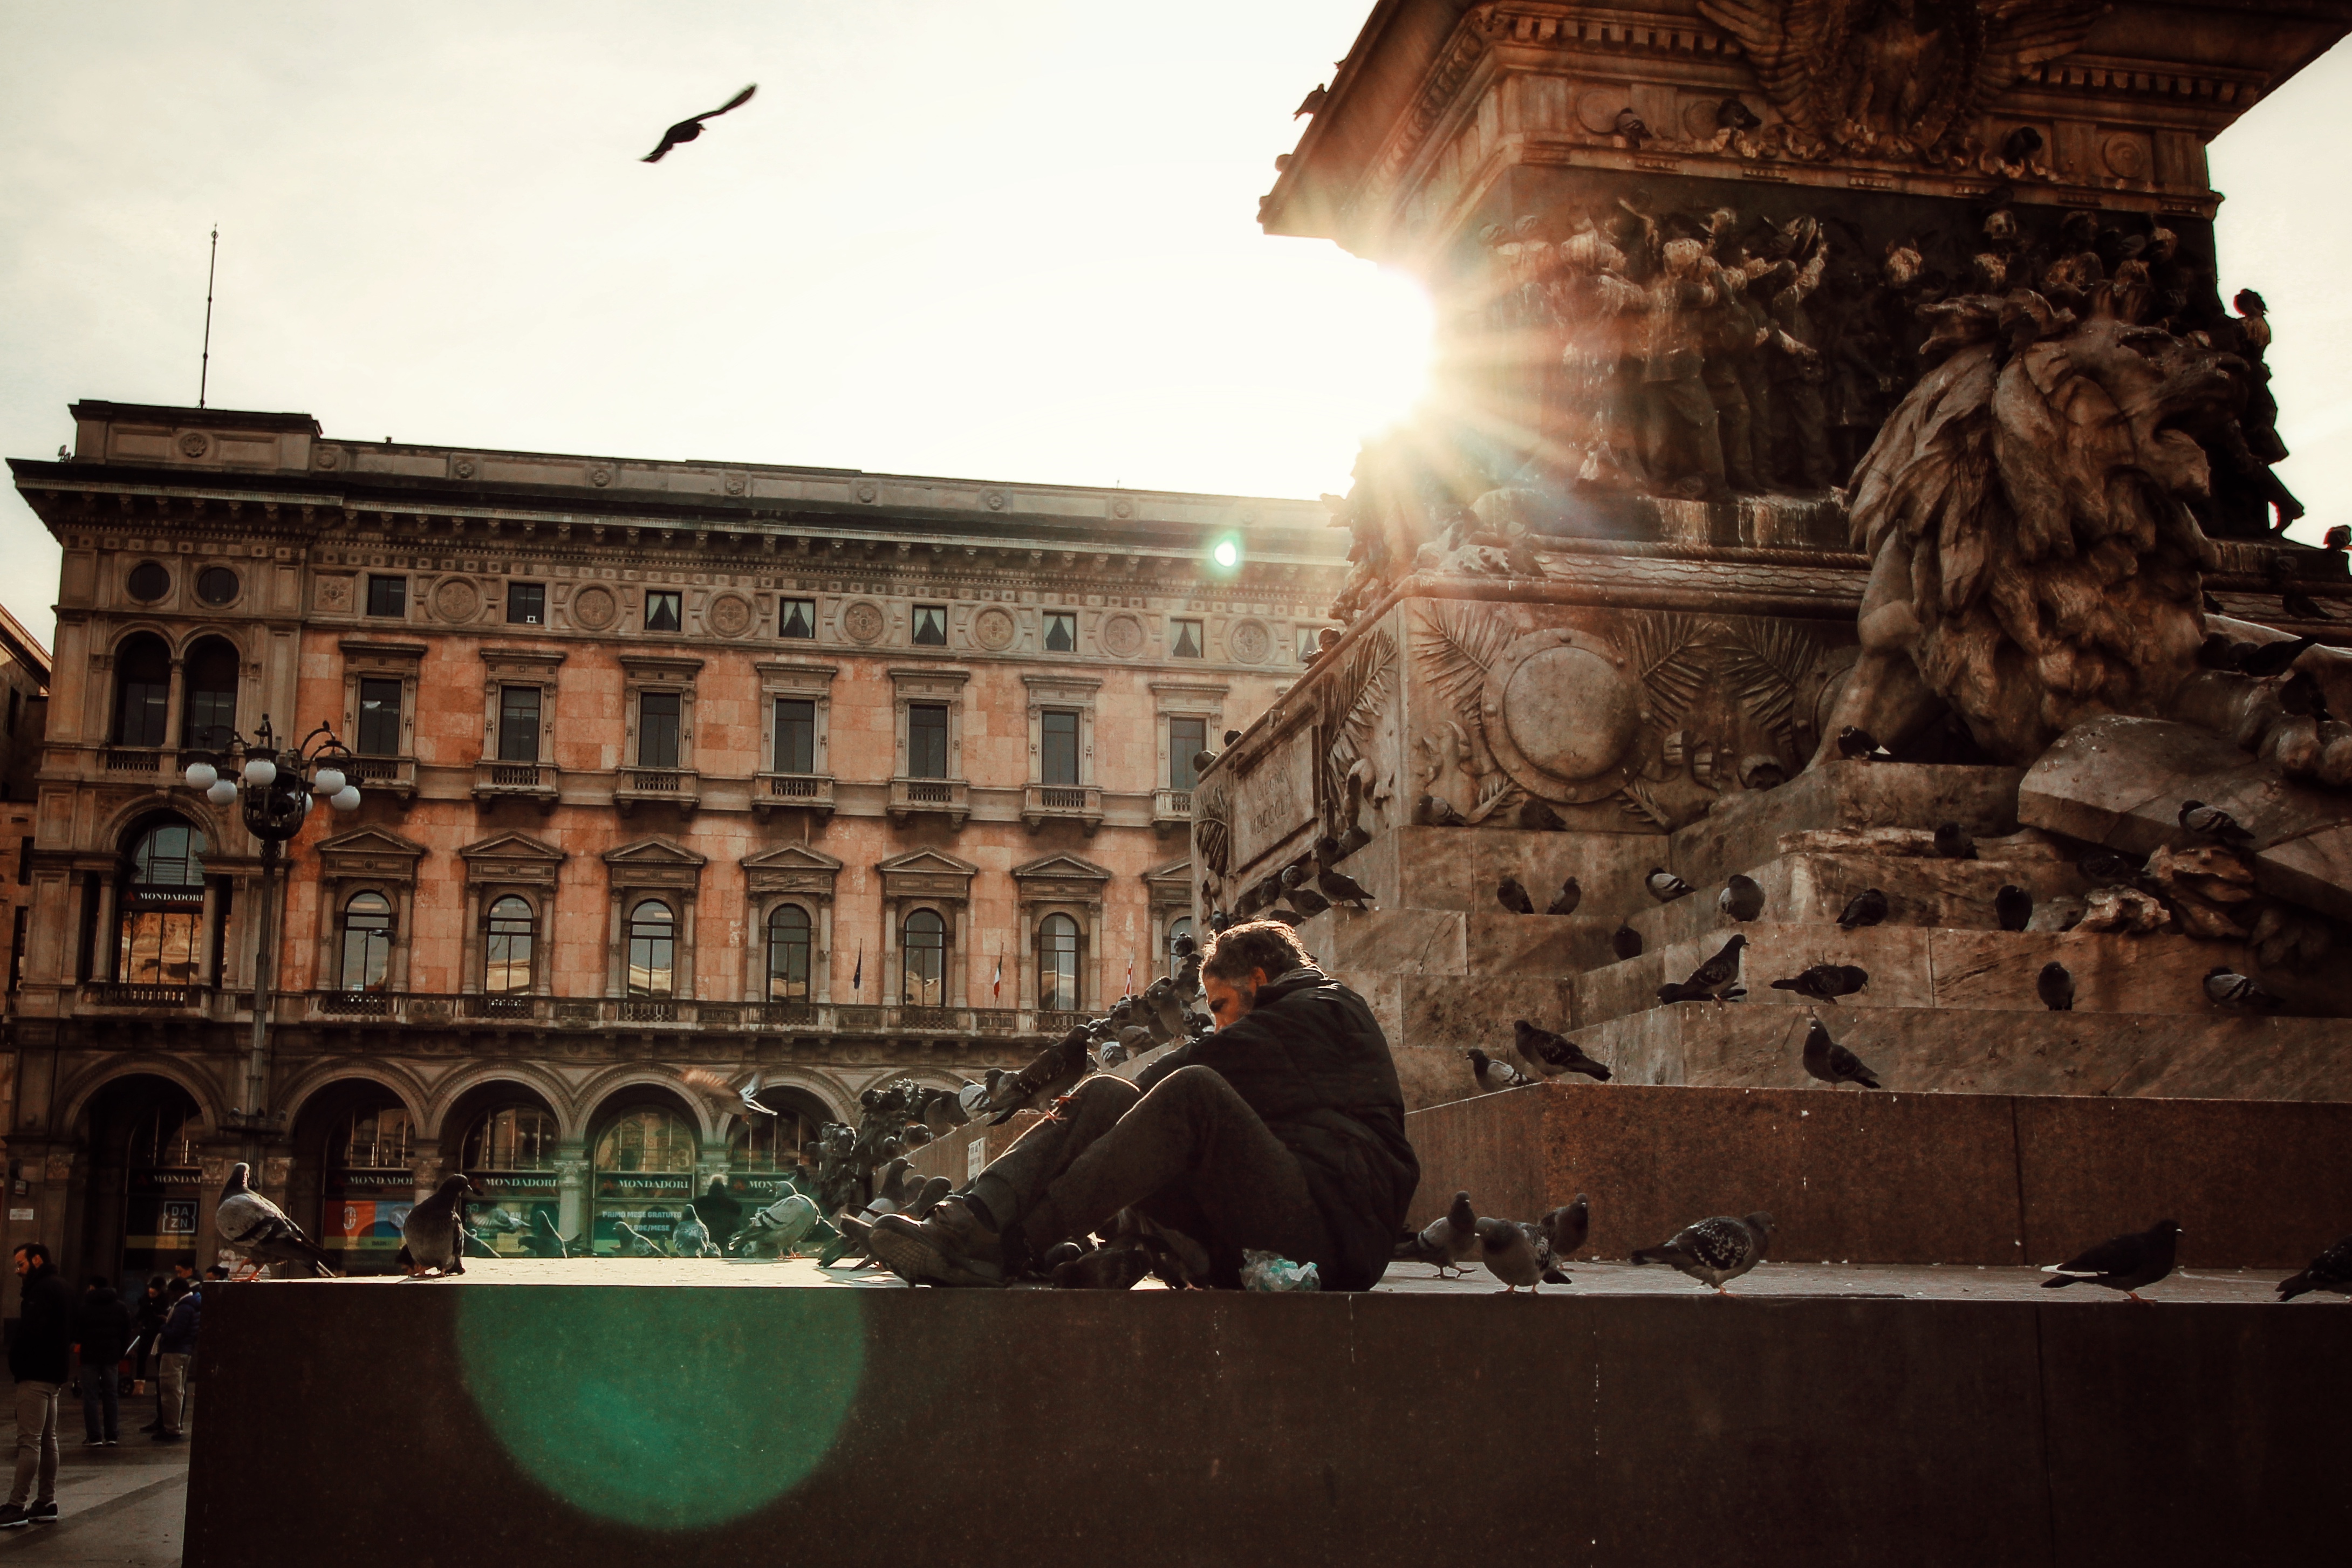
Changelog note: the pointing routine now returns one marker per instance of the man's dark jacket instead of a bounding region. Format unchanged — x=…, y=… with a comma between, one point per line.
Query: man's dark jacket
x=43, y=1347
x=180, y=1328
x=101, y=1326
x=1311, y=1060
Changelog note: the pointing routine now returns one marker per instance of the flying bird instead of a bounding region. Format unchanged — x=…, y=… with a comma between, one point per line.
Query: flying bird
x=2013, y=906
x=1664, y=885
x=1715, y=1251
x=1832, y=1063
x=687, y=129
x=1571, y=894
x=2225, y=987
x=1867, y=907
x=1742, y=897
x=1493, y=1073
x=2129, y=1263
x=1513, y=897
x=1450, y=1241
x=1858, y=745
x=2055, y=987
x=433, y=1236
x=1552, y=1054
x=252, y=1225
x=2212, y=822
x=1625, y=942
x=1952, y=842
x=1826, y=982
x=2330, y=1272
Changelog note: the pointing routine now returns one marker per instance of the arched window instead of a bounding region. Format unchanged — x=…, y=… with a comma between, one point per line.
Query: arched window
x=162, y=935
x=926, y=950
x=379, y=1139
x=644, y=1174
x=768, y=1144
x=210, y=716
x=1057, y=963
x=652, y=950
x=518, y=1138
x=1181, y=927
x=142, y=690
x=647, y=1139
x=367, y=942
x=506, y=948
x=788, y=954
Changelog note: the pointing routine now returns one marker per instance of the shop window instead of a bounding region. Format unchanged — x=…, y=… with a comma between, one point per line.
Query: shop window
x=367, y=942
x=511, y=1153
x=516, y=1139
x=663, y=612
x=788, y=954
x=658, y=729
x=211, y=715
x=380, y=703
x=795, y=734
x=507, y=944
x=142, y=691
x=369, y=1186
x=1186, y=642
x=652, y=950
x=526, y=604
x=930, y=625
x=518, y=723
x=388, y=597
x=164, y=1186
x=797, y=618
x=160, y=939
x=1057, y=963
x=1058, y=747
x=1187, y=738
x=381, y=1139
x=927, y=740
x=644, y=1163
x=924, y=945
x=1061, y=631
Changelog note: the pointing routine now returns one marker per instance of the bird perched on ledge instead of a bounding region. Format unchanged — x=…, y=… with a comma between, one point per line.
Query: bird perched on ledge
x=1571, y=894
x=1664, y=885
x=1867, y=907
x=2330, y=1272
x=1552, y=1054
x=1742, y=897
x=1859, y=745
x=433, y=1236
x=1715, y=1251
x=1826, y=982
x=1513, y=897
x=1449, y=1243
x=251, y=1224
x=2129, y=1263
x=1493, y=1074
x=1832, y=1063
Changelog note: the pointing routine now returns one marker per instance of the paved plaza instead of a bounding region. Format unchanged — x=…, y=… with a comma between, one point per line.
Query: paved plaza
x=124, y=1505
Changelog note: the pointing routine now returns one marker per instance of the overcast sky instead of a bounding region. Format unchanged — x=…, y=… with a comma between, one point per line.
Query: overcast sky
x=1011, y=239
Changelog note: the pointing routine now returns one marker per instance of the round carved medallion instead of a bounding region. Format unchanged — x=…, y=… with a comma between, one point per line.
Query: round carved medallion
x=992, y=630
x=594, y=607
x=1122, y=635
x=734, y=484
x=865, y=490
x=2127, y=156
x=326, y=457
x=600, y=477
x=195, y=443
x=457, y=599
x=1249, y=641
x=729, y=614
x=463, y=468
x=862, y=621
x=1562, y=715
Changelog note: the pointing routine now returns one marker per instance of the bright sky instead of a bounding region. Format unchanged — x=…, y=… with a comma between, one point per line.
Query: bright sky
x=1013, y=239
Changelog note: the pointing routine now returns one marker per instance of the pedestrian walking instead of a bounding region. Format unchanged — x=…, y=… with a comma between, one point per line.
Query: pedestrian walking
x=179, y=1350
x=38, y=1360
x=153, y=1308
x=102, y=1334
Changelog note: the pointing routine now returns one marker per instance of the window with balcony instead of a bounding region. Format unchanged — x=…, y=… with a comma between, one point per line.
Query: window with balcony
x=652, y=950
x=210, y=714
x=924, y=947
x=927, y=740
x=1187, y=738
x=1184, y=640
x=507, y=943
x=1057, y=963
x=797, y=618
x=142, y=691
x=388, y=597
x=663, y=610
x=930, y=625
x=161, y=936
x=379, y=727
x=658, y=729
x=526, y=604
x=1058, y=747
x=788, y=954
x=795, y=734
x=367, y=943
x=1061, y=631
x=518, y=723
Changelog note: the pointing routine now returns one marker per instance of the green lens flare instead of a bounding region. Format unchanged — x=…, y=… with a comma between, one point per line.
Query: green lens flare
x=668, y=1409
x=1227, y=554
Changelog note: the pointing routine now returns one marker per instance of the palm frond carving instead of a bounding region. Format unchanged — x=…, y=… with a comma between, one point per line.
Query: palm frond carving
x=1762, y=663
x=1670, y=655
x=1457, y=644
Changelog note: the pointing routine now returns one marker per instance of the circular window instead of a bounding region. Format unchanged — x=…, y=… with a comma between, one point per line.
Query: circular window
x=149, y=581
x=216, y=585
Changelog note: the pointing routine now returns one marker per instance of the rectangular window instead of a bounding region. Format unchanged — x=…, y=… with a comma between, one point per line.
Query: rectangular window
x=15, y=701
x=797, y=618
x=658, y=729
x=1061, y=631
x=662, y=610
x=16, y=952
x=927, y=740
x=931, y=625
x=25, y=860
x=518, y=723
x=379, y=718
x=1187, y=738
x=1057, y=754
x=526, y=604
x=388, y=596
x=144, y=708
x=1184, y=638
x=795, y=734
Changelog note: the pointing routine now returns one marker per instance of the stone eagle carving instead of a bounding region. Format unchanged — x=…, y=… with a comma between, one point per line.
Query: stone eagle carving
x=1895, y=78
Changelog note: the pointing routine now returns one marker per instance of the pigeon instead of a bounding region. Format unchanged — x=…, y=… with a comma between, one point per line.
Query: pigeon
x=2301, y=606
x=1104, y=1269
x=1625, y=942
x=1664, y=885
x=943, y=1112
x=2106, y=868
x=433, y=1236
x=1538, y=817
x=2021, y=144
x=1450, y=1241
x=1513, y=897
x=1307, y=902
x=927, y=1197
x=2219, y=650
x=1313, y=102
x=251, y=1224
x=1732, y=114
x=1630, y=127
x=1290, y=917
x=1202, y=762
x=1341, y=888
x=2301, y=694
x=1571, y=894
x=2056, y=985
x=1232, y=736
x=2330, y=1272
x=2212, y=605
x=692, y=1237
x=542, y=1240
x=1826, y=982
x=1552, y=1054
x=2013, y=906
x=1832, y=1063
x=1493, y=1072
x=1565, y=1228
x=1051, y=1074
x=749, y=1095
x=2265, y=660
x=2338, y=537
x=1717, y=972
x=1742, y=897
x=1434, y=812
x=635, y=1243
x=1867, y=907
x=1857, y=745
x=687, y=129
x=2212, y=822
x=2127, y=1263
x=1514, y=1253
x=1714, y=1250
x=2225, y=987
x=780, y=1227
x=1952, y=842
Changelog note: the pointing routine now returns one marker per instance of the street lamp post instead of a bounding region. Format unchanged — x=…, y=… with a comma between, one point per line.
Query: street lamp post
x=276, y=788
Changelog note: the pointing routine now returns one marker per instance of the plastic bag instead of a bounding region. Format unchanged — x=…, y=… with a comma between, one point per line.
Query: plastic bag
x=1272, y=1271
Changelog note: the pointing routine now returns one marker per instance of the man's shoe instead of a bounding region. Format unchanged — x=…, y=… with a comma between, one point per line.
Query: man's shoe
x=114, y=1442
x=169, y=1438
x=13, y=1517
x=43, y=1512
x=948, y=1247
x=152, y=1426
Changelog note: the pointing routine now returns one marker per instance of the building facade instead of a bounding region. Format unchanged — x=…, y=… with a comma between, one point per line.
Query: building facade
x=672, y=773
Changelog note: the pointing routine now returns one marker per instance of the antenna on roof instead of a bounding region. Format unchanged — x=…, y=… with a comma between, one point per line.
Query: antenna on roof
x=204, y=376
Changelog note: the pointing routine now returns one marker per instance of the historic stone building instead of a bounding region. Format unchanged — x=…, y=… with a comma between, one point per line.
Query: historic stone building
x=673, y=773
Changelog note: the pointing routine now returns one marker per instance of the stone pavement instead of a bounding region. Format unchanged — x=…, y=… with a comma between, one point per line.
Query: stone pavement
x=124, y=1505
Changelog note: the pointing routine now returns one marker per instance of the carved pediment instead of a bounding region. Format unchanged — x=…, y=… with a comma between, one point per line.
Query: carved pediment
x=511, y=859
x=511, y=847
x=931, y=862
x=795, y=868
x=1061, y=867
x=792, y=857
x=926, y=873
x=371, y=852
x=652, y=852
x=1171, y=883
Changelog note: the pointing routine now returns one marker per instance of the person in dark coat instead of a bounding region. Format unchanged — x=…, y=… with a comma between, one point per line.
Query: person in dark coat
x=153, y=1308
x=179, y=1344
x=722, y=1213
x=1283, y=1132
x=37, y=1359
x=102, y=1334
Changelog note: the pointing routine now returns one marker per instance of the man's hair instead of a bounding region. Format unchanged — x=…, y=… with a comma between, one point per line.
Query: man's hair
x=218, y=1272
x=1266, y=945
x=34, y=1251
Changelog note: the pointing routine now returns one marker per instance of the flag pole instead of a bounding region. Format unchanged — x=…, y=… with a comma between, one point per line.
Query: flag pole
x=205, y=371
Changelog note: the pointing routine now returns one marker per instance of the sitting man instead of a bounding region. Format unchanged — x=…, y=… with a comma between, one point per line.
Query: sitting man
x=1283, y=1132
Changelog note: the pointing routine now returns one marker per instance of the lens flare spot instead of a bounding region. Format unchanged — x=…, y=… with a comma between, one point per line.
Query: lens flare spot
x=1228, y=554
